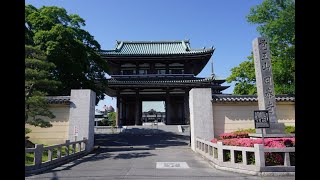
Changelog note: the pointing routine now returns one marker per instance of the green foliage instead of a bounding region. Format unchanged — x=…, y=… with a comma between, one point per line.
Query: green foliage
x=27, y=131
x=112, y=118
x=238, y=156
x=244, y=76
x=276, y=22
x=226, y=155
x=38, y=80
x=273, y=158
x=72, y=49
x=250, y=130
x=290, y=129
x=250, y=158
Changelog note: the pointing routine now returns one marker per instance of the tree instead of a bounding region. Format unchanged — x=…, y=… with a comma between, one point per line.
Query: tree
x=276, y=22
x=73, y=50
x=37, y=82
x=245, y=78
x=112, y=118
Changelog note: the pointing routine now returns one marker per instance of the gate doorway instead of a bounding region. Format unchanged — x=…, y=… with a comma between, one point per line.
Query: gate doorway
x=153, y=111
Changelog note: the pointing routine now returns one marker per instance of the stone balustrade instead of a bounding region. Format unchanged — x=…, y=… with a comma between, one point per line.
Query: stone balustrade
x=217, y=153
x=71, y=151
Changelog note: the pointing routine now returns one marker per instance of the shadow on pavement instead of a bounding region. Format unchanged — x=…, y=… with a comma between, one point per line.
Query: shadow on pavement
x=135, y=139
x=151, y=138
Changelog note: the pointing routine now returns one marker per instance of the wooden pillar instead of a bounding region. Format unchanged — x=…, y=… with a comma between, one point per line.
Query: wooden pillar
x=137, y=68
x=119, y=69
x=137, y=116
x=121, y=111
x=186, y=107
x=118, y=109
x=152, y=68
x=187, y=67
x=168, y=108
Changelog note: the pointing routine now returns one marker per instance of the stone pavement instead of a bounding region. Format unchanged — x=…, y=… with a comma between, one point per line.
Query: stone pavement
x=135, y=156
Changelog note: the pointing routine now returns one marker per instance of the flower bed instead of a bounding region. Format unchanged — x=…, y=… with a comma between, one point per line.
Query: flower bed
x=242, y=139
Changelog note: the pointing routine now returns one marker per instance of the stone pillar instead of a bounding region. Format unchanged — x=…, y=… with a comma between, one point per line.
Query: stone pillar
x=168, y=110
x=137, y=118
x=81, y=117
x=265, y=86
x=201, y=115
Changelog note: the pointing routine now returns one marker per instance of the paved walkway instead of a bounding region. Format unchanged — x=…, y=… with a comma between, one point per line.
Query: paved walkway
x=134, y=156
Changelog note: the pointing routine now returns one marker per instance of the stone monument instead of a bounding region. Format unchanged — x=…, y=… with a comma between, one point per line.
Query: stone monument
x=265, y=86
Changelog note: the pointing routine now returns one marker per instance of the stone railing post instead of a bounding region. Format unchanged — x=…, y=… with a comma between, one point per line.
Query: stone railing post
x=232, y=158
x=244, y=157
x=85, y=144
x=259, y=155
x=38, y=154
x=220, y=151
x=50, y=154
x=287, y=159
x=67, y=147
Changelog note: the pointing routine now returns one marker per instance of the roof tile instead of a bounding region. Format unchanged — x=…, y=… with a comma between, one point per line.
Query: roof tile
x=154, y=48
x=249, y=98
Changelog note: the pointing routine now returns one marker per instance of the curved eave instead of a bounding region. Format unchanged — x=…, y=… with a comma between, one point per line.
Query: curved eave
x=221, y=88
x=115, y=54
x=58, y=100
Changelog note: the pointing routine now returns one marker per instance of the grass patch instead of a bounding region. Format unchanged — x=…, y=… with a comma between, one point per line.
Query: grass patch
x=29, y=159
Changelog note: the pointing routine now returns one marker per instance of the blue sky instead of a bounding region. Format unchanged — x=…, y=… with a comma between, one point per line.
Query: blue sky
x=206, y=23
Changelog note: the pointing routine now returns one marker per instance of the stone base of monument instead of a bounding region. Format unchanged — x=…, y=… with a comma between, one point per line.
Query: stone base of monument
x=256, y=135
x=275, y=130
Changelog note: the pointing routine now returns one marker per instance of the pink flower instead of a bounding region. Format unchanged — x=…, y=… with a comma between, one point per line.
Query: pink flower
x=247, y=142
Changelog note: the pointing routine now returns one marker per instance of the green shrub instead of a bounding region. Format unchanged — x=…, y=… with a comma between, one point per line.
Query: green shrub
x=290, y=129
x=226, y=155
x=27, y=131
x=250, y=130
x=238, y=156
x=250, y=158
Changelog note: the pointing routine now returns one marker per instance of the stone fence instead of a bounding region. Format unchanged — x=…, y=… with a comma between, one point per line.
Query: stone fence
x=252, y=159
x=56, y=156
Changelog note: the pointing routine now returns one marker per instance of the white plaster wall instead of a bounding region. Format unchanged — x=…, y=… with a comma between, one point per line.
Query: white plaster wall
x=56, y=134
x=232, y=116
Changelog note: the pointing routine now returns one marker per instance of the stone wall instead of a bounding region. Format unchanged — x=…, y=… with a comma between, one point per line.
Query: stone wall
x=200, y=115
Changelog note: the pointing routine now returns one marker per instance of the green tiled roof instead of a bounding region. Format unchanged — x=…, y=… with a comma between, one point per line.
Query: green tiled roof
x=155, y=105
x=155, y=48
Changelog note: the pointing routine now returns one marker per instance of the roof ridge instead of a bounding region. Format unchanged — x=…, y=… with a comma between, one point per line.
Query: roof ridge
x=157, y=41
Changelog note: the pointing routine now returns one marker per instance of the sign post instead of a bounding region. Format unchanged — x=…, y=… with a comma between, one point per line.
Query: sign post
x=75, y=132
x=261, y=121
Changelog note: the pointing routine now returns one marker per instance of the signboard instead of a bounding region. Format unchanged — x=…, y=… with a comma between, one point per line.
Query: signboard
x=76, y=131
x=261, y=119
